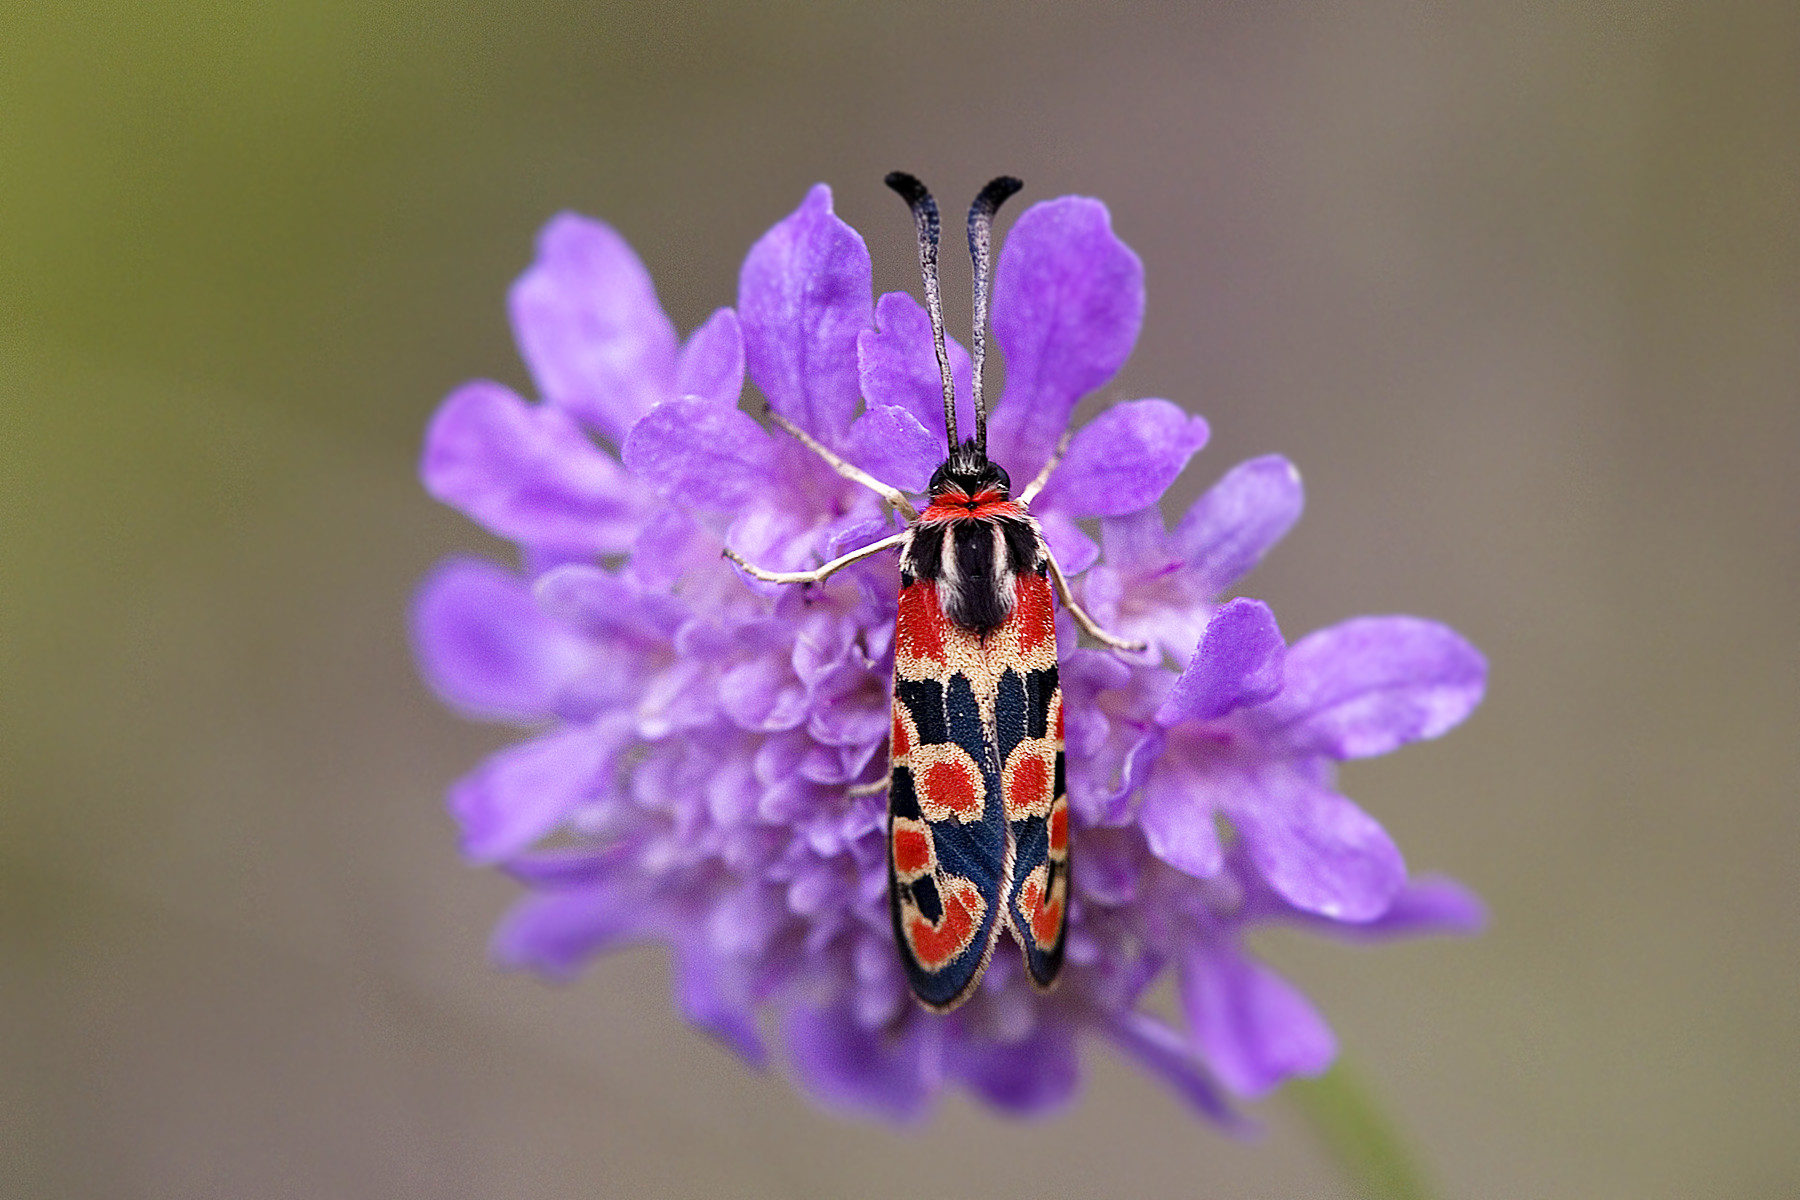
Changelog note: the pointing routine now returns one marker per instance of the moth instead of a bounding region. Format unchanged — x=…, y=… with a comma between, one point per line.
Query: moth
x=978, y=806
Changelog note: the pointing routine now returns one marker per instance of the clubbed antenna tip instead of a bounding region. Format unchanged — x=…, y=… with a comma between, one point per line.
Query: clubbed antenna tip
x=981, y=236
x=925, y=218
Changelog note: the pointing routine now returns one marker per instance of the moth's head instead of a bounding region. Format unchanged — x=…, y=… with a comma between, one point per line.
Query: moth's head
x=970, y=472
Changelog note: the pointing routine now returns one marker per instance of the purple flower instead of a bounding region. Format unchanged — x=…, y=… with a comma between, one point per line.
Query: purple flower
x=692, y=737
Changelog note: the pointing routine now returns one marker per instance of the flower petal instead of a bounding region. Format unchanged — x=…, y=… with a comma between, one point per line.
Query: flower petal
x=707, y=455
x=1254, y=1027
x=803, y=296
x=1132, y=773
x=1124, y=459
x=897, y=363
x=889, y=443
x=527, y=472
x=1136, y=544
x=714, y=994
x=1237, y=663
x=711, y=365
x=1432, y=904
x=1068, y=302
x=484, y=645
x=850, y=707
x=607, y=607
x=527, y=790
x=1037, y=1074
x=1177, y=820
x=882, y=1072
x=1075, y=551
x=1162, y=1052
x=762, y=695
x=1230, y=528
x=1371, y=684
x=1317, y=849
x=588, y=324
x=556, y=933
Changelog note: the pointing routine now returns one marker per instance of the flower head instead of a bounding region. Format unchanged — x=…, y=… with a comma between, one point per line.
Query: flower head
x=694, y=737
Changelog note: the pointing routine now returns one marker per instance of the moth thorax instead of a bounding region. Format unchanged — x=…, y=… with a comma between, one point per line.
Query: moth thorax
x=977, y=584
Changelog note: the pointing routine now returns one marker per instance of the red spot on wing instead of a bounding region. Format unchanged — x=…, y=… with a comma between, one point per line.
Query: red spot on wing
x=1046, y=919
x=936, y=945
x=1033, y=613
x=1059, y=829
x=920, y=628
x=1029, y=785
x=948, y=784
x=1046, y=922
x=901, y=745
x=912, y=850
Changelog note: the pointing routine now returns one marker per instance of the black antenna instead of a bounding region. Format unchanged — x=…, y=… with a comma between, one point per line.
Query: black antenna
x=981, y=229
x=925, y=216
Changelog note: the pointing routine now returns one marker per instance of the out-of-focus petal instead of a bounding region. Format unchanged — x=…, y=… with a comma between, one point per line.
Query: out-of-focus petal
x=713, y=993
x=762, y=695
x=1068, y=302
x=557, y=933
x=604, y=606
x=711, y=365
x=881, y=1072
x=588, y=323
x=1238, y=662
x=527, y=472
x=527, y=790
x=1372, y=684
x=1230, y=528
x=803, y=296
x=1033, y=1076
x=1075, y=551
x=484, y=645
x=1136, y=543
x=1316, y=848
x=1162, y=1052
x=898, y=364
x=1124, y=459
x=850, y=706
x=1254, y=1027
x=889, y=443
x=1429, y=905
x=706, y=455
x=1177, y=820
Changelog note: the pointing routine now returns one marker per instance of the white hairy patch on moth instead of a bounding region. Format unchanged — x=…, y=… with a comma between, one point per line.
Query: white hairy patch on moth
x=954, y=591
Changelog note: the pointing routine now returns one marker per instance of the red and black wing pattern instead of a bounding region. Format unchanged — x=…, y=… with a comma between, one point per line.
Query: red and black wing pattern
x=977, y=816
x=1028, y=724
x=946, y=825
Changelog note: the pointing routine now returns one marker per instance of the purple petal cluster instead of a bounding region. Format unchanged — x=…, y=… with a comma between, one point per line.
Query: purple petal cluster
x=691, y=737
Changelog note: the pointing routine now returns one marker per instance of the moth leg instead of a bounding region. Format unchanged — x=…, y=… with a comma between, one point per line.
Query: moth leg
x=1080, y=614
x=850, y=471
x=1043, y=476
x=873, y=788
x=817, y=574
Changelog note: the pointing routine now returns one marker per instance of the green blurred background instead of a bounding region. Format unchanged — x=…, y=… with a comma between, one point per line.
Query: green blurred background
x=1515, y=285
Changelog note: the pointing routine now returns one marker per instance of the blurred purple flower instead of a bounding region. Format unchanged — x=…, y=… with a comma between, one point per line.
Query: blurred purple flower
x=694, y=734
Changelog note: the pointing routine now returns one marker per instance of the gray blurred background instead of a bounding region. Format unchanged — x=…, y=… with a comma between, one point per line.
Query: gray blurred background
x=1515, y=285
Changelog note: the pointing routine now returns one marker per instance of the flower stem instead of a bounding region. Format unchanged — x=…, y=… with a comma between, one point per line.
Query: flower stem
x=1363, y=1140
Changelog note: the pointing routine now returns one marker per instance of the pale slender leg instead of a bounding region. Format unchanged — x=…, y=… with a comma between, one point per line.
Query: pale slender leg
x=1043, y=476
x=817, y=574
x=1080, y=614
x=849, y=471
x=873, y=788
